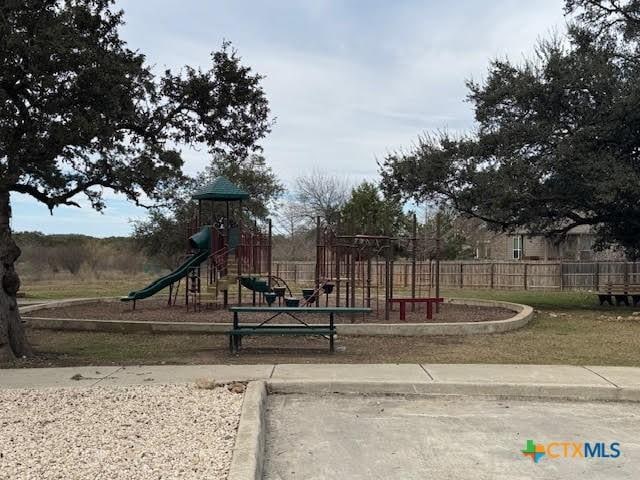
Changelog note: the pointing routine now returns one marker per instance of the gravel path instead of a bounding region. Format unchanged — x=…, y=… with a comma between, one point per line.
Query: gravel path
x=138, y=432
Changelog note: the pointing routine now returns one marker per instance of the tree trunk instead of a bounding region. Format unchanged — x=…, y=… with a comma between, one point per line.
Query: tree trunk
x=13, y=341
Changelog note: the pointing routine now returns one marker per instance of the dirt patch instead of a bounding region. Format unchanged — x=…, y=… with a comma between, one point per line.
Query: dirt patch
x=158, y=311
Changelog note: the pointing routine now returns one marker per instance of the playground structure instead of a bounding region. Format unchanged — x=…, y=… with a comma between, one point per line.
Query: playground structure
x=228, y=254
x=225, y=251
x=360, y=266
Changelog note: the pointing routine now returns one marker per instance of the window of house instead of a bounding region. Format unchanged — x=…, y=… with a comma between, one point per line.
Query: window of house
x=482, y=250
x=517, y=247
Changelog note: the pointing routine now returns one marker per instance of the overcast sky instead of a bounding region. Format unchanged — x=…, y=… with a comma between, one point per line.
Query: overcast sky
x=347, y=81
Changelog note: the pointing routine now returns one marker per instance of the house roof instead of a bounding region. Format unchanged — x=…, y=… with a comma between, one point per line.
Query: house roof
x=220, y=189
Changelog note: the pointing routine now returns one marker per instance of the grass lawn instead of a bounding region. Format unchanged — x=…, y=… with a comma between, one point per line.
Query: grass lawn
x=569, y=328
x=82, y=287
x=576, y=337
x=536, y=298
x=77, y=287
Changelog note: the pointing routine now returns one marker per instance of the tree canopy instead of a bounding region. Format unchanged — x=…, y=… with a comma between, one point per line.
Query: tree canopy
x=79, y=110
x=318, y=194
x=367, y=213
x=557, y=142
x=458, y=236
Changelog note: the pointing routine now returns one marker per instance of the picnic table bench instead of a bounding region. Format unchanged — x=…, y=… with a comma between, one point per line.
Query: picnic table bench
x=327, y=330
x=621, y=293
x=403, y=305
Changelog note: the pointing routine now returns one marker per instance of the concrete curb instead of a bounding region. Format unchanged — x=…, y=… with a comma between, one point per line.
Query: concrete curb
x=64, y=303
x=520, y=319
x=248, y=453
x=524, y=313
x=125, y=326
x=537, y=391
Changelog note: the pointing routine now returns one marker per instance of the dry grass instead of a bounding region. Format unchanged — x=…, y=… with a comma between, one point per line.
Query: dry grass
x=82, y=286
x=205, y=384
x=575, y=337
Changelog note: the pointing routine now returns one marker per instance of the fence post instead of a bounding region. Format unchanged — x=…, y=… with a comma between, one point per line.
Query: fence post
x=561, y=275
x=337, y=271
x=626, y=273
x=295, y=273
x=430, y=275
x=461, y=273
x=596, y=277
x=525, y=275
x=491, y=270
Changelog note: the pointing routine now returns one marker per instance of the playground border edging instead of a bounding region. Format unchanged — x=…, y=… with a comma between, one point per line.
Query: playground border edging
x=52, y=304
x=248, y=452
x=524, y=314
x=125, y=326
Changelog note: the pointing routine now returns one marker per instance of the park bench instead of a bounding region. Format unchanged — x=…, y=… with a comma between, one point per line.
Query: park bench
x=403, y=305
x=327, y=330
x=621, y=293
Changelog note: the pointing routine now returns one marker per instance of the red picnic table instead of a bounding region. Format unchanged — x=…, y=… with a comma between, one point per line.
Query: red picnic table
x=403, y=305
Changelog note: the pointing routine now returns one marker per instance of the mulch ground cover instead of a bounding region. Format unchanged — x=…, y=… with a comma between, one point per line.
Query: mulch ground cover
x=157, y=310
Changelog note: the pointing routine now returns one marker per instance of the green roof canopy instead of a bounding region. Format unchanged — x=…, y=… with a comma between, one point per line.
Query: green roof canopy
x=220, y=189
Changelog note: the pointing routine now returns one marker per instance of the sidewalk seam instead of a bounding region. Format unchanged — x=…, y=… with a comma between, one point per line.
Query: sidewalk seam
x=604, y=378
x=425, y=371
x=107, y=376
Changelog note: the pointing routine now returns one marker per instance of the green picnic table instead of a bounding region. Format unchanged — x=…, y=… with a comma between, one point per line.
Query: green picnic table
x=327, y=330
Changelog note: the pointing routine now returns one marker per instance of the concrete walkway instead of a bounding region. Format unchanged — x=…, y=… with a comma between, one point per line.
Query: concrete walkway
x=369, y=437
x=570, y=377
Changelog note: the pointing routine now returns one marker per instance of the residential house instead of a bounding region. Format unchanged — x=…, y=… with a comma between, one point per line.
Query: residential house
x=577, y=246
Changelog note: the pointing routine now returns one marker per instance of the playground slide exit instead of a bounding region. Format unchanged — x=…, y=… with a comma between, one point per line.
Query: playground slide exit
x=201, y=243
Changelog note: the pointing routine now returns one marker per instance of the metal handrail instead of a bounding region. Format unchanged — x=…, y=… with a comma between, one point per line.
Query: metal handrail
x=281, y=280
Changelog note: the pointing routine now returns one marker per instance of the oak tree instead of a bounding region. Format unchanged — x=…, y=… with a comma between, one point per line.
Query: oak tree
x=81, y=112
x=557, y=143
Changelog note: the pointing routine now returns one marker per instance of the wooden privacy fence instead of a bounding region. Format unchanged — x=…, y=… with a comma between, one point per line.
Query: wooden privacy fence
x=517, y=275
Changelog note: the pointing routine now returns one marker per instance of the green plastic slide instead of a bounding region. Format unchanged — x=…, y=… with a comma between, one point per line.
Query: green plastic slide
x=199, y=242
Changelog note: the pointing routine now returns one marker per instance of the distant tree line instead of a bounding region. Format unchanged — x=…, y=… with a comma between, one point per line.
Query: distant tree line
x=46, y=256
